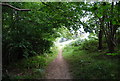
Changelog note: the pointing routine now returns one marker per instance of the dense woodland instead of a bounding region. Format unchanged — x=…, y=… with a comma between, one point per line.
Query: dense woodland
x=30, y=28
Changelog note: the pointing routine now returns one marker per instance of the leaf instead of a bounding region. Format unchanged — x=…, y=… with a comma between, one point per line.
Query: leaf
x=113, y=22
x=99, y=15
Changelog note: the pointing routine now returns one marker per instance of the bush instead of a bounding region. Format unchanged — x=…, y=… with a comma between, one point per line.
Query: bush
x=77, y=42
x=34, y=62
x=89, y=64
x=90, y=45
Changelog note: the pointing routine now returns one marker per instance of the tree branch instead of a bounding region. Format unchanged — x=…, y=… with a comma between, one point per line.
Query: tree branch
x=45, y=4
x=17, y=9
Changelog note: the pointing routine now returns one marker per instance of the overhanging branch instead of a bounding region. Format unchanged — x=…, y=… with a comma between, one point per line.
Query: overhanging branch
x=17, y=9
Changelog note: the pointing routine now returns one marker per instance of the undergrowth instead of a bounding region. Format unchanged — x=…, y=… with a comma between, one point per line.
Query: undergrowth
x=86, y=62
x=32, y=67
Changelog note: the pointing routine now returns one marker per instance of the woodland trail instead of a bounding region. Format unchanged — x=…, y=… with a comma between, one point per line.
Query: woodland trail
x=58, y=69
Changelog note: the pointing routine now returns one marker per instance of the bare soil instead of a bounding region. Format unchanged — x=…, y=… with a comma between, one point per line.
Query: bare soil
x=58, y=69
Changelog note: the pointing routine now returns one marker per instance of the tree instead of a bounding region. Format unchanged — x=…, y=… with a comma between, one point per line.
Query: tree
x=32, y=33
x=108, y=23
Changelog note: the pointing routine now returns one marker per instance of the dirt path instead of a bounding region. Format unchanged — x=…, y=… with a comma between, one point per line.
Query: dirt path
x=58, y=69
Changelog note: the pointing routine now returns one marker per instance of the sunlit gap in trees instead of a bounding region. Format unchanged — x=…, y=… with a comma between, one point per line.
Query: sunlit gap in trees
x=79, y=34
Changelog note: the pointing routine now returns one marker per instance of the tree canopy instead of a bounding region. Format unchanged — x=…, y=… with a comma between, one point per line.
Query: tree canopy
x=29, y=28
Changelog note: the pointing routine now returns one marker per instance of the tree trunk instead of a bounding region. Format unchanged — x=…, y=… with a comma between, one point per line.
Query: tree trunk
x=100, y=39
x=110, y=44
x=111, y=33
x=101, y=32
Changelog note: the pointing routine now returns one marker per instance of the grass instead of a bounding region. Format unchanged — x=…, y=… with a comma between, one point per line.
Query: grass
x=33, y=67
x=90, y=65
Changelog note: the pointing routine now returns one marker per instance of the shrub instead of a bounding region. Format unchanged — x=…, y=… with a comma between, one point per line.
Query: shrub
x=90, y=45
x=77, y=42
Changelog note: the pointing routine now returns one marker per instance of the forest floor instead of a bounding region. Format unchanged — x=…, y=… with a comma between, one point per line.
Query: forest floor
x=58, y=69
x=91, y=64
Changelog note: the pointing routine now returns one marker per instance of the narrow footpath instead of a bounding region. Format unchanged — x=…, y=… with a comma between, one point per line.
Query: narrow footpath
x=58, y=69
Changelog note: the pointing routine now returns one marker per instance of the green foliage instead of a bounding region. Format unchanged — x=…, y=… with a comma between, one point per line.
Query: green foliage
x=88, y=44
x=113, y=54
x=34, y=62
x=27, y=34
x=77, y=42
x=90, y=65
x=32, y=32
x=32, y=67
x=24, y=35
x=106, y=13
x=65, y=33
